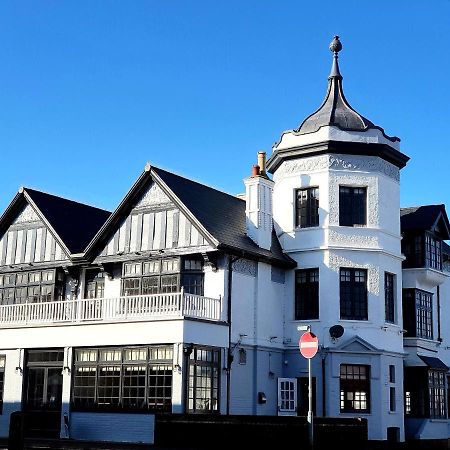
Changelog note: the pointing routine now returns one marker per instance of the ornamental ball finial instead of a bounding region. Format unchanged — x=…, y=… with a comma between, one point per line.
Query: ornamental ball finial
x=336, y=45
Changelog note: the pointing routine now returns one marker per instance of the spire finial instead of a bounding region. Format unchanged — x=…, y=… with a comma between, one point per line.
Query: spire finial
x=335, y=47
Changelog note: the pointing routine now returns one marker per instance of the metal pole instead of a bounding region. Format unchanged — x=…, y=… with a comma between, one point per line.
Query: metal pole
x=310, y=412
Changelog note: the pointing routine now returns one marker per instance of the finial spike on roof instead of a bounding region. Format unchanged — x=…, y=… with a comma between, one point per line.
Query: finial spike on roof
x=335, y=47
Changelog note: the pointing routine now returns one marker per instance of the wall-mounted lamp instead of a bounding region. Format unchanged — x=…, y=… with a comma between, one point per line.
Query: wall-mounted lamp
x=19, y=370
x=65, y=370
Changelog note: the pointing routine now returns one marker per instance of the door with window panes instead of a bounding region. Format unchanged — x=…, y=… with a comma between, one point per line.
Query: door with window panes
x=43, y=391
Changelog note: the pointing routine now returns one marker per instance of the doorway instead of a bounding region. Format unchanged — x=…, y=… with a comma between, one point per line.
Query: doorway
x=43, y=392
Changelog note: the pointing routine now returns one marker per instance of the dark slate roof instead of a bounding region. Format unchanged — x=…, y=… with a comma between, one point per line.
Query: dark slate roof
x=221, y=214
x=335, y=109
x=75, y=223
x=422, y=217
x=433, y=363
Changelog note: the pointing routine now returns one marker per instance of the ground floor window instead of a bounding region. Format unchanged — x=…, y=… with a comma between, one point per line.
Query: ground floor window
x=203, y=383
x=437, y=394
x=130, y=378
x=355, y=388
x=425, y=393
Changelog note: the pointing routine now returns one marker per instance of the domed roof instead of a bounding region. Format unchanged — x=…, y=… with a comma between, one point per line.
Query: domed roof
x=335, y=109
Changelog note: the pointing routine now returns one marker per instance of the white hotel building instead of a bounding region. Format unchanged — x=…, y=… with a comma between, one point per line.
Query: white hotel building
x=186, y=299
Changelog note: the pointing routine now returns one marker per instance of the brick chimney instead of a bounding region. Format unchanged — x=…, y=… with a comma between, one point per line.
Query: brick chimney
x=258, y=198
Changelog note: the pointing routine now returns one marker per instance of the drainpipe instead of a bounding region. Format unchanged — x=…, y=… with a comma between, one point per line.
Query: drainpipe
x=231, y=260
x=438, y=295
x=324, y=386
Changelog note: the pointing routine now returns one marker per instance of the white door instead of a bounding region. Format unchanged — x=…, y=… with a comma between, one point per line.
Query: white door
x=287, y=396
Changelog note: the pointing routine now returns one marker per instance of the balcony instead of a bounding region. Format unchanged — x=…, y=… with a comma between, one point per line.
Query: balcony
x=177, y=305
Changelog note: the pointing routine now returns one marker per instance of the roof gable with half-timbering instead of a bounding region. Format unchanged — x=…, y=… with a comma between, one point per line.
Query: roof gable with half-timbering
x=26, y=239
x=153, y=223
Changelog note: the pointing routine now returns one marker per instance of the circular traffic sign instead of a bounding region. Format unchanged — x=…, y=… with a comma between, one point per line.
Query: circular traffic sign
x=308, y=344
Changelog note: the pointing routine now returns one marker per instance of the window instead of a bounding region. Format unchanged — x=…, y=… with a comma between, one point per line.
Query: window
x=391, y=374
x=133, y=378
x=418, y=313
x=162, y=276
x=352, y=206
x=422, y=250
x=353, y=294
x=95, y=284
x=31, y=287
x=433, y=256
x=437, y=394
x=307, y=294
x=2, y=380
x=204, y=369
x=355, y=388
x=307, y=208
x=392, y=402
x=389, y=297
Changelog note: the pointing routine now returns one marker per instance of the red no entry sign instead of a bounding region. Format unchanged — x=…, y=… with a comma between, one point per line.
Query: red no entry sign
x=308, y=345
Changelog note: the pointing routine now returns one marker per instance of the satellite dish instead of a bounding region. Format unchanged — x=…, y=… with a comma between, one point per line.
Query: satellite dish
x=336, y=331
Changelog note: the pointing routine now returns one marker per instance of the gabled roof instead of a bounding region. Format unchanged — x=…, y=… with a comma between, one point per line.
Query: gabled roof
x=73, y=224
x=425, y=218
x=220, y=217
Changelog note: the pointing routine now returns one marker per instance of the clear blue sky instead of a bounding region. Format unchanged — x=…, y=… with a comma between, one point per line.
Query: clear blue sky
x=91, y=90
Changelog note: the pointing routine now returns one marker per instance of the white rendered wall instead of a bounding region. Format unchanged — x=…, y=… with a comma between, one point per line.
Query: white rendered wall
x=329, y=247
x=12, y=389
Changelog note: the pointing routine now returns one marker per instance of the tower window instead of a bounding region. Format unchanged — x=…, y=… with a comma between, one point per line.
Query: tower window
x=352, y=206
x=307, y=294
x=307, y=207
x=389, y=297
x=353, y=294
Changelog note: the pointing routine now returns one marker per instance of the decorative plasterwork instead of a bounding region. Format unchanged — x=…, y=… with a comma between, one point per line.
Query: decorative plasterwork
x=336, y=262
x=370, y=182
x=245, y=267
x=338, y=162
x=354, y=240
x=27, y=215
x=152, y=197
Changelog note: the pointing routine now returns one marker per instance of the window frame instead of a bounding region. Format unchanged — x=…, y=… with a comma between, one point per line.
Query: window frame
x=351, y=212
x=390, y=303
x=418, y=313
x=43, y=285
x=354, y=385
x=307, y=303
x=169, y=279
x=356, y=290
x=150, y=402
x=214, y=364
x=308, y=205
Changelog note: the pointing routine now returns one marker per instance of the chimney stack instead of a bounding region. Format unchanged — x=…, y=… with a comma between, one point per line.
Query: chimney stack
x=258, y=198
x=262, y=163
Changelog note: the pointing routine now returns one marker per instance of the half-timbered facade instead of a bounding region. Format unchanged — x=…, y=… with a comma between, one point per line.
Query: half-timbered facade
x=186, y=299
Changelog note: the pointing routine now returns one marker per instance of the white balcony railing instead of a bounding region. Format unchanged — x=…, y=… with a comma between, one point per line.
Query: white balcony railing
x=120, y=309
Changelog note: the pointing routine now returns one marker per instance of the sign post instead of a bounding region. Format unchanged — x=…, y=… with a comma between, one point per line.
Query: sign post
x=309, y=344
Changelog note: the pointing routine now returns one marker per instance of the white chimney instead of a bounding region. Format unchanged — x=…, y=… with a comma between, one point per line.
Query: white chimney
x=258, y=198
